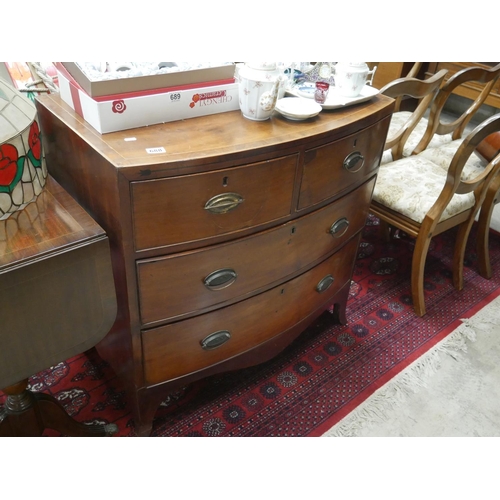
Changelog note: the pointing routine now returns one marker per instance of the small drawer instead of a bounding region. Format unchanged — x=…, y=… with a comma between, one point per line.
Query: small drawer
x=200, y=206
x=179, y=284
x=331, y=169
x=187, y=346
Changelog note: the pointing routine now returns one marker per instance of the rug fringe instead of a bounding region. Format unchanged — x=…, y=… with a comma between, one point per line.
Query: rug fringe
x=411, y=379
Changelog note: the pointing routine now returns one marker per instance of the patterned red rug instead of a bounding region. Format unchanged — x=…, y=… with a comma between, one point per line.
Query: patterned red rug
x=326, y=373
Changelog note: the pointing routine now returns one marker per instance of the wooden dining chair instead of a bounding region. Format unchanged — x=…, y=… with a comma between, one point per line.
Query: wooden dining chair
x=404, y=122
x=440, y=141
x=422, y=199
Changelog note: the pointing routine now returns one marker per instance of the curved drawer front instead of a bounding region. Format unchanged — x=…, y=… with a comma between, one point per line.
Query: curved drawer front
x=199, y=206
x=334, y=167
x=187, y=346
x=180, y=284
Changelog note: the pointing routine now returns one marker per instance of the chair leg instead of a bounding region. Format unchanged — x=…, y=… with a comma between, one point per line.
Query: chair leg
x=483, y=230
x=385, y=229
x=459, y=253
x=417, y=271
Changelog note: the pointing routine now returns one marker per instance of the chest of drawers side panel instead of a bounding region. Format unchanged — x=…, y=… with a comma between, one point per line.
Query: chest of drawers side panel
x=98, y=187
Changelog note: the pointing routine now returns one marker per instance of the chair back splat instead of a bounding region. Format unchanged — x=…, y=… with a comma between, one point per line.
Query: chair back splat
x=429, y=130
x=424, y=91
x=436, y=126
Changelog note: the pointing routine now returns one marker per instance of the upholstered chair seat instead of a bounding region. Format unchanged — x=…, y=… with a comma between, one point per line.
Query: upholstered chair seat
x=411, y=186
x=442, y=156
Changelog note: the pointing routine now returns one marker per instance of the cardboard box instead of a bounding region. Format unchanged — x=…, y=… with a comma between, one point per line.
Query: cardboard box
x=150, y=82
x=126, y=111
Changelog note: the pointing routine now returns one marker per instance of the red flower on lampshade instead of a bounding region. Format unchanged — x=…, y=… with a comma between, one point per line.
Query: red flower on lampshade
x=9, y=169
x=35, y=143
x=34, y=140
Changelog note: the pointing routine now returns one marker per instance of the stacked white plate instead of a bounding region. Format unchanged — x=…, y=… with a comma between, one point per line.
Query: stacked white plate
x=298, y=108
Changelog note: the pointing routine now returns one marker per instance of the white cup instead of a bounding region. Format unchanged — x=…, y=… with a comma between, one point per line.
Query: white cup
x=350, y=78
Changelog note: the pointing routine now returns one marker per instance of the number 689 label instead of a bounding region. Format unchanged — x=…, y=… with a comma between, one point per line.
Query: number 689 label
x=175, y=96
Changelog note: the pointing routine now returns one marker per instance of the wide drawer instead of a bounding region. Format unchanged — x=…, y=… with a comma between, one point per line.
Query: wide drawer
x=334, y=167
x=200, y=206
x=179, y=284
x=187, y=346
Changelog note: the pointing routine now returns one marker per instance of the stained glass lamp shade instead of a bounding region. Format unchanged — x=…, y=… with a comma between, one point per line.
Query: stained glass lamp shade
x=22, y=165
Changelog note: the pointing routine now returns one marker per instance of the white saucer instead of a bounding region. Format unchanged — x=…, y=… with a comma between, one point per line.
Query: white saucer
x=333, y=100
x=297, y=108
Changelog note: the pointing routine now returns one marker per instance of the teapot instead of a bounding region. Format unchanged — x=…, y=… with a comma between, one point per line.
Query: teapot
x=259, y=87
x=350, y=78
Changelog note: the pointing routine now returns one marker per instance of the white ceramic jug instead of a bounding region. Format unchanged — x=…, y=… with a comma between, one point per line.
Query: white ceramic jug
x=259, y=85
x=350, y=78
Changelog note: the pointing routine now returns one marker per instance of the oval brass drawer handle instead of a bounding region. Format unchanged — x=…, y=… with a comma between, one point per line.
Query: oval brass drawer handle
x=339, y=227
x=220, y=279
x=354, y=162
x=223, y=203
x=215, y=340
x=325, y=283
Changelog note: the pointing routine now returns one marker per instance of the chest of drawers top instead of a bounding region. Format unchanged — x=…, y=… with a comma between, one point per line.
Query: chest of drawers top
x=215, y=141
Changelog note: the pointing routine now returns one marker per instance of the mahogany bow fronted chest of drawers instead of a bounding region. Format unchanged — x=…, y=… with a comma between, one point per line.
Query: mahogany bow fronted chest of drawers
x=228, y=236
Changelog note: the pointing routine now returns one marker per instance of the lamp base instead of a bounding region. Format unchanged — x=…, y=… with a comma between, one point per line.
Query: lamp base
x=28, y=414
